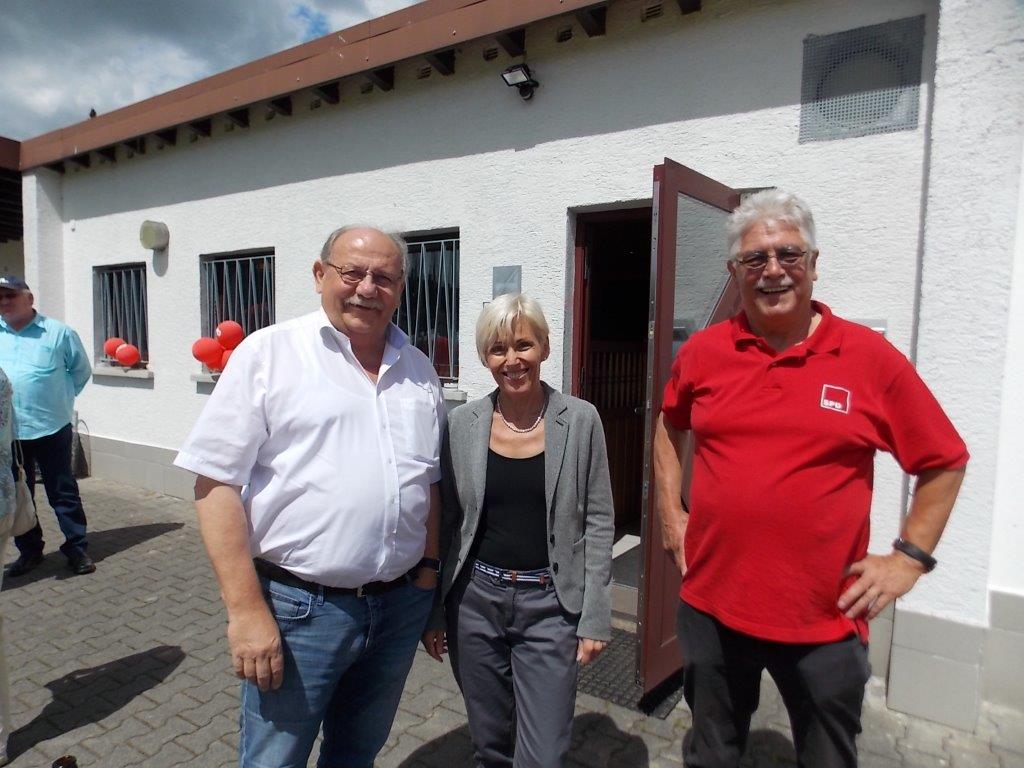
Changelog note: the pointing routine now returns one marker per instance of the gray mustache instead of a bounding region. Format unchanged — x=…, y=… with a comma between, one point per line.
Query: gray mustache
x=355, y=301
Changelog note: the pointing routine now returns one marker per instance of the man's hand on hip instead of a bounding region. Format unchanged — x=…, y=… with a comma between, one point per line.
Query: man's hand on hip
x=880, y=580
x=255, y=643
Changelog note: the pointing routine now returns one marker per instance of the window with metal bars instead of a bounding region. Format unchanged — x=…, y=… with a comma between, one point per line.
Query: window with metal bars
x=429, y=309
x=237, y=286
x=120, y=307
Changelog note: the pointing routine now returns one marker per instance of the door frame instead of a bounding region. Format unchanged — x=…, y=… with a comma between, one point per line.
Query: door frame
x=580, y=286
x=658, y=655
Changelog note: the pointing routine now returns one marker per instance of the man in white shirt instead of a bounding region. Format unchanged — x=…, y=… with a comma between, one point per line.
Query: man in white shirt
x=317, y=459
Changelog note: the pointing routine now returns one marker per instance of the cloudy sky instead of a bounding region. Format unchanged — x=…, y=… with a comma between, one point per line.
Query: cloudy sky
x=61, y=58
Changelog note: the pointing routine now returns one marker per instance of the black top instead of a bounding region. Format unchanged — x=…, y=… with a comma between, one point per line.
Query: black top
x=513, y=526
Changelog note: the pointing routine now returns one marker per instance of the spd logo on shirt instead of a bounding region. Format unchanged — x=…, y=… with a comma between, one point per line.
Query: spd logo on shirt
x=835, y=399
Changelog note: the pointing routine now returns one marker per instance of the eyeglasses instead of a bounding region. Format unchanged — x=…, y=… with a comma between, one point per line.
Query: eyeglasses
x=355, y=275
x=787, y=257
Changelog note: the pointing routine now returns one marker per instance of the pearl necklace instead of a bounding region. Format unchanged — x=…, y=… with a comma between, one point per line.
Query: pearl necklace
x=513, y=427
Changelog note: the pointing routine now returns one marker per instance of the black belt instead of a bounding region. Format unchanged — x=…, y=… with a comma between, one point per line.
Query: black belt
x=283, y=576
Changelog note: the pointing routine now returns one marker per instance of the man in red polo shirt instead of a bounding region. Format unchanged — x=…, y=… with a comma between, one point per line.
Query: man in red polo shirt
x=788, y=405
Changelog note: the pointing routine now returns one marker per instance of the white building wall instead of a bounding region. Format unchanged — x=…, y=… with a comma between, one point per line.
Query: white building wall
x=972, y=206
x=1007, y=572
x=45, y=259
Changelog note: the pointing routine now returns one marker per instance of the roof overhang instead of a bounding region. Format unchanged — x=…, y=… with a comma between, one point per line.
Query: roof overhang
x=429, y=27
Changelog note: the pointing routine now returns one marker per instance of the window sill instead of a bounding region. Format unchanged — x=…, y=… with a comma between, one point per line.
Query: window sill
x=454, y=394
x=112, y=371
x=204, y=378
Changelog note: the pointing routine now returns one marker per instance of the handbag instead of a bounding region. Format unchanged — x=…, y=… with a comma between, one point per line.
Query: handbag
x=24, y=508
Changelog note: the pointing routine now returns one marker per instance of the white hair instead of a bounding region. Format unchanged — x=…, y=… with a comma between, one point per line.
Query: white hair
x=399, y=242
x=770, y=206
x=498, y=319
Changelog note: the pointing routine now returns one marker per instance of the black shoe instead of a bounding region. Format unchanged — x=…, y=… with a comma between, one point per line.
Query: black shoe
x=24, y=564
x=81, y=564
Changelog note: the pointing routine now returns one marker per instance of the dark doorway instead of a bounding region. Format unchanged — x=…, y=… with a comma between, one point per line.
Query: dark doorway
x=613, y=290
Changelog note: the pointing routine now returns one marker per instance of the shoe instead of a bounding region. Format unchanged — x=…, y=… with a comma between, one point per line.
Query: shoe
x=24, y=564
x=81, y=564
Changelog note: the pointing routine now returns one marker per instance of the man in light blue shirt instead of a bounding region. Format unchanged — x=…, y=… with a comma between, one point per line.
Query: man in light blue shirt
x=47, y=366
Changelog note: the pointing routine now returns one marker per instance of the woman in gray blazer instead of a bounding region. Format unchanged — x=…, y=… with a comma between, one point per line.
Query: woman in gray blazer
x=526, y=547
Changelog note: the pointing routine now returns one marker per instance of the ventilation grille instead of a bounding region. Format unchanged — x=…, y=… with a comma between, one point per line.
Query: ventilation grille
x=490, y=54
x=563, y=35
x=366, y=88
x=423, y=73
x=651, y=10
x=863, y=81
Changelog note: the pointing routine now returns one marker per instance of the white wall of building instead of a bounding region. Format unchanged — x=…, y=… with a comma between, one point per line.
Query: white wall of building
x=1008, y=513
x=718, y=91
x=973, y=205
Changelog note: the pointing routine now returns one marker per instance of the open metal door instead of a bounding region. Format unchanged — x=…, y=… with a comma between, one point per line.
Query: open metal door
x=690, y=289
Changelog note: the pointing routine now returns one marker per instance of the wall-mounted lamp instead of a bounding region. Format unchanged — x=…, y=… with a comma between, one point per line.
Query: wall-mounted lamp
x=154, y=235
x=519, y=76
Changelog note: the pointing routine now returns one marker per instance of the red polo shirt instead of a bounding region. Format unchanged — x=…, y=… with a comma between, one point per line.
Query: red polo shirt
x=783, y=467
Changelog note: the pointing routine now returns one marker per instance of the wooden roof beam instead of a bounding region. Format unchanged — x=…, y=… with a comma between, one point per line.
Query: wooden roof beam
x=443, y=62
x=168, y=136
x=513, y=41
x=239, y=117
x=202, y=127
x=383, y=78
x=136, y=145
x=329, y=92
x=689, y=6
x=593, y=20
x=281, y=106
x=82, y=160
x=108, y=153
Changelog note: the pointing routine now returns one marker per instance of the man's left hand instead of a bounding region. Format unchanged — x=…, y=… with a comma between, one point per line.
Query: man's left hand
x=587, y=650
x=880, y=580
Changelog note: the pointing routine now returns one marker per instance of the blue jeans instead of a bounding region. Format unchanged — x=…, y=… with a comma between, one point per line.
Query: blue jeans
x=345, y=663
x=53, y=455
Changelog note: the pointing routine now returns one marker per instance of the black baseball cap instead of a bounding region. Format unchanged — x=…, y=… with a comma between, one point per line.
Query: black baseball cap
x=13, y=283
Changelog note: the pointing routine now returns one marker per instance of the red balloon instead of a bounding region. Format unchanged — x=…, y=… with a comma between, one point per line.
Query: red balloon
x=229, y=334
x=224, y=358
x=207, y=351
x=110, y=345
x=127, y=355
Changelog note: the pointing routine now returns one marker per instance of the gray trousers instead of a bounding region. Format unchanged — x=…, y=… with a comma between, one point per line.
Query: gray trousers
x=513, y=650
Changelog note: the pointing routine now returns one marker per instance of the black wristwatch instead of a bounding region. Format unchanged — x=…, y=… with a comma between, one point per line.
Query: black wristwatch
x=916, y=553
x=428, y=562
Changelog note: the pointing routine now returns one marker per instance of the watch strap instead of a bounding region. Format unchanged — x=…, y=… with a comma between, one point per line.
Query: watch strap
x=916, y=553
x=429, y=562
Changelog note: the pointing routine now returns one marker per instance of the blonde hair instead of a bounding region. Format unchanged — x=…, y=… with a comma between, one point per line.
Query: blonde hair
x=498, y=319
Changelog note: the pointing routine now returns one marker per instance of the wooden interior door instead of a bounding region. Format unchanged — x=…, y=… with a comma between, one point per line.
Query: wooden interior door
x=690, y=289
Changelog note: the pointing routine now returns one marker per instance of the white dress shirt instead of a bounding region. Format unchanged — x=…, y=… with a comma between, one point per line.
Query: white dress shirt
x=336, y=469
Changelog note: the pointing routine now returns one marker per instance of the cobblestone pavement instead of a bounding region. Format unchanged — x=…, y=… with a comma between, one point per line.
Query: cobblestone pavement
x=128, y=667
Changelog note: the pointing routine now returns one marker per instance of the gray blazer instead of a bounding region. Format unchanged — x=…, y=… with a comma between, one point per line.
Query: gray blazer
x=579, y=502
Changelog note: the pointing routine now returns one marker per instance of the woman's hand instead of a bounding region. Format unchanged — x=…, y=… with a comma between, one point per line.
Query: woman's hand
x=587, y=650
x=435, y=643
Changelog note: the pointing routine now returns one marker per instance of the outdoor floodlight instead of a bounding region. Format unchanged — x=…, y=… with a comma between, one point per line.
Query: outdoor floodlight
x=519, y=76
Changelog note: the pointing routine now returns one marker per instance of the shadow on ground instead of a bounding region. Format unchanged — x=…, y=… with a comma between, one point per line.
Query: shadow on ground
x=89, y=695
x=102, y=544
x=591, y=733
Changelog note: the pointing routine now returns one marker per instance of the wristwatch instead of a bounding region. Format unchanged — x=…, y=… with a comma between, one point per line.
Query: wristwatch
x=916, y=553
x=429, y=562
